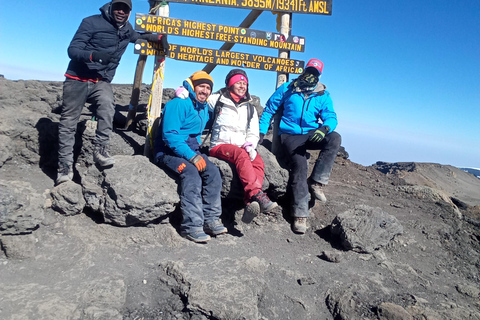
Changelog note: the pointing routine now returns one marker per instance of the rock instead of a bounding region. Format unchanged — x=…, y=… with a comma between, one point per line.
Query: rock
x=21, y=208
x=331, y=256
x=18, y=247
x=92, y=180
x=276, y=176
x=102, y=299
x=469, y=290
x=365, y=229
x=5, y=149
x=137, y=192
x=341, y=303
x=67, y=198
x=431, y=194
x=391, y=311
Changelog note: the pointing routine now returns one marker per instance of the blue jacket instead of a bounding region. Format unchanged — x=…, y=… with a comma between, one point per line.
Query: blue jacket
x=98, y=33
x=301, y=113
x=182, y=125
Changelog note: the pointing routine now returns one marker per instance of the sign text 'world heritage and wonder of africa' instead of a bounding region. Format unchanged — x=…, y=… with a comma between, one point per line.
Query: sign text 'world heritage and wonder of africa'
x=323, y=7
x=221, y=57
x=211, y=31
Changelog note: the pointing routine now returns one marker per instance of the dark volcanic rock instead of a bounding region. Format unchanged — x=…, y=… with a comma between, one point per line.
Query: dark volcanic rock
x=365, y=229
x=21, y=208
x=74, y=266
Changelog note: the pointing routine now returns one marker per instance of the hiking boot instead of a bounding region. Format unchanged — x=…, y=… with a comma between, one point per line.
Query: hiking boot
x=251, y=211
x=196, y=236
x=101, y=156
x=64, y=173
x=317, y=189
x=215, y=228
x=265, y=203
x=300, y=225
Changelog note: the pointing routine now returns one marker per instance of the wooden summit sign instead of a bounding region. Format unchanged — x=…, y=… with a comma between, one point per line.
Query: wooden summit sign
x=295, y=6
x=212, y=31
x=222, y=57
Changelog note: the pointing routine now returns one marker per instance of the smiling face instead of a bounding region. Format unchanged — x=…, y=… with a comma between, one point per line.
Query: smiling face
x=239, y=88
x=202, y=92
x=120, y=12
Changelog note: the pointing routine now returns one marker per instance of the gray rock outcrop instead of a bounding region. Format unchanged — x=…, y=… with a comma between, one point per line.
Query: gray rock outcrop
x=21, y=208
x=365, y=229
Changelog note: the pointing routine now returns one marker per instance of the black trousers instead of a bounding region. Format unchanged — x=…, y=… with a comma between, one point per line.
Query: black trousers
x=296, y=147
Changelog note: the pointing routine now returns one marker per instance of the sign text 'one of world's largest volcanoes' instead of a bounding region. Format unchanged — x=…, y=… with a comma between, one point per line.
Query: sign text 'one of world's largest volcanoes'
x=212, y=31
x=323, y=7
x=221, y=57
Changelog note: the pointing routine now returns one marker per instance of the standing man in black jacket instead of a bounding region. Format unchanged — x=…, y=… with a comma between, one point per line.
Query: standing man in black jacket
x=95, y=53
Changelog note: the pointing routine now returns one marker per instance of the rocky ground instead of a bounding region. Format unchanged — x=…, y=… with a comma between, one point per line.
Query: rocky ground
x=393, y=241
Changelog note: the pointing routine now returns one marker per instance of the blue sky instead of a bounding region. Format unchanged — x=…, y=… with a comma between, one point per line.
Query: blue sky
x=404, y=76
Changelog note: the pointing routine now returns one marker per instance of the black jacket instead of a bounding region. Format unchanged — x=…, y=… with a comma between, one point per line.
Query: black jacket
x=99, y=33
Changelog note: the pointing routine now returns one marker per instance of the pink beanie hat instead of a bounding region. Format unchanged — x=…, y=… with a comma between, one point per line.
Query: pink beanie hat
x=236, y=78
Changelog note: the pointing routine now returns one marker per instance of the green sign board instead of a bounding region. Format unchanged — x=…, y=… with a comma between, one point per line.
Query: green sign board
x=222, y=57
x=212, y=31
x=323, y=7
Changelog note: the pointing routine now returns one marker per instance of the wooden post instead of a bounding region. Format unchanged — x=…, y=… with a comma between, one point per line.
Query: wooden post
x=137, y=84
x=285, y=29
x=137, y=81
x=155, y=102
x=246, y=23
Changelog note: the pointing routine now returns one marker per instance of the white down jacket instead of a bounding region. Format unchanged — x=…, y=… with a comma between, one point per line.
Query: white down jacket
x=231, y=125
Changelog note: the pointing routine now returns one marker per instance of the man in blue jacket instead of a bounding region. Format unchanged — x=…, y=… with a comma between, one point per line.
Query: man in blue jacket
x=177, y=149
x=307, y=122
x=95, y=53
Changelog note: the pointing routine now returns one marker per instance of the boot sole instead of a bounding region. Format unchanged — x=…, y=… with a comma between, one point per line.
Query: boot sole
x=196, y=240
x=271, y=207
x=251, y=211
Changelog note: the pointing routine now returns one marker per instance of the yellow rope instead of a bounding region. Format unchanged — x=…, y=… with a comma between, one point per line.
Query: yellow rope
x=150, y=117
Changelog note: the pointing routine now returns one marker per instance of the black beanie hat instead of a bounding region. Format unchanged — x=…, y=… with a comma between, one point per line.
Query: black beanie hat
x=127, y=2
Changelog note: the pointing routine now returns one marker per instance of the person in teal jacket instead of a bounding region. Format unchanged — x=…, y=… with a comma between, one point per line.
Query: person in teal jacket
x=308, y=122
x=177, y=148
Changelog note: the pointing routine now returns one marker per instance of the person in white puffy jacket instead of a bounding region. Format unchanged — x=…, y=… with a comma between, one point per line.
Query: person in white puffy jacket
x=234, y=138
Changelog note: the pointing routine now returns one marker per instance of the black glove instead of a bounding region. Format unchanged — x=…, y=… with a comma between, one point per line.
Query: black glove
x=262, y=135
x=164, y=42
x=319, y=134
x=103, y=57
x=162, y=39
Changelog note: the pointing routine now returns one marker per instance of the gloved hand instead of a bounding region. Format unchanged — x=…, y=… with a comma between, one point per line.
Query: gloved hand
x=162, y=39
x=199, y=162
x=252, y=154
x=164, y=42
x=181, y=93
x=262, y=135
x=319, y=134
x=248, y=146
x=103, y=57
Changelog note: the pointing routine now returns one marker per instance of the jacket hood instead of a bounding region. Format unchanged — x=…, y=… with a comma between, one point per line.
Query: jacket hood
x=106, y=11
x=320, y=88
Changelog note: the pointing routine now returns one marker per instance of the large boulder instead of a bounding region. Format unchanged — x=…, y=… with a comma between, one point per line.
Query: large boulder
x=137, y=192
x=21, y=208
x=365, y=229
x=67, y=198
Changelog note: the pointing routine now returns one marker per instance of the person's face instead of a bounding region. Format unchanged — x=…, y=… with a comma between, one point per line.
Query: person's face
x=239, y=88
x=202, y=92
x=120, y=12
